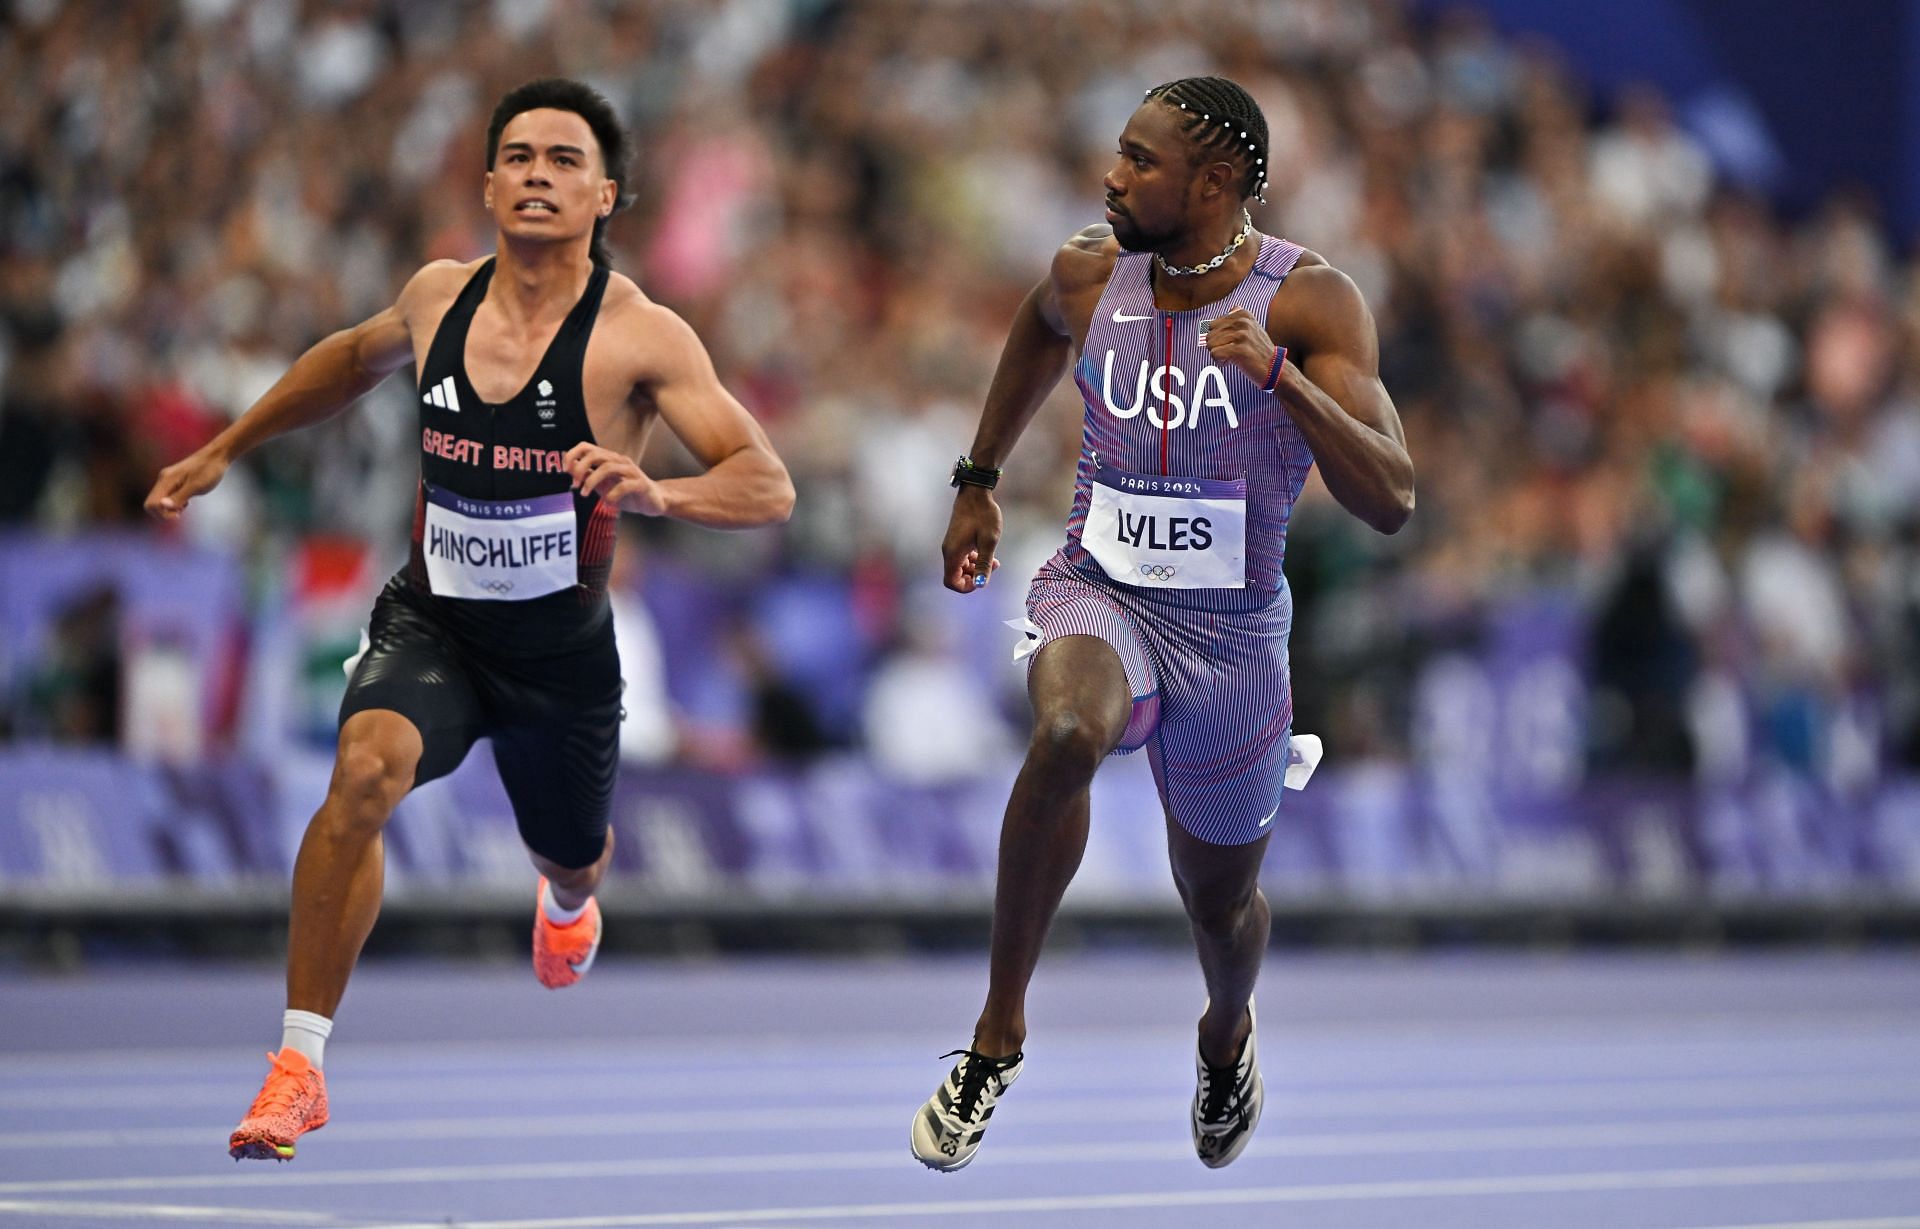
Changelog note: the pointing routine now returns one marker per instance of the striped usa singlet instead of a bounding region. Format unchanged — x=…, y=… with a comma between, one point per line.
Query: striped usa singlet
x=1157, y=403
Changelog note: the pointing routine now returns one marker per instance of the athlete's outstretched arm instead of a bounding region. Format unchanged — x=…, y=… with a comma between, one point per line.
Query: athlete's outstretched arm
x=329, y=377
x=1036, y=352
x=745, y=483
x=1334, y=395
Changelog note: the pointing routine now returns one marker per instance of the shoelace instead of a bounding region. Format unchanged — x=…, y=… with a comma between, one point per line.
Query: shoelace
x=974, y=1073
x=282, y=1089
x=1221, y=1095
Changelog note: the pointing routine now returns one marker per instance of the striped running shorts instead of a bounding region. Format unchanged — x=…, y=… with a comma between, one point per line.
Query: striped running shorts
x=1211, y=699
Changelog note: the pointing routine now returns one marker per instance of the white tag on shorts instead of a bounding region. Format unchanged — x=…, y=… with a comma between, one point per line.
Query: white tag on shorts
x=1030, y=636
x=1303, y=756
x=1159, y=531
x=500, y=550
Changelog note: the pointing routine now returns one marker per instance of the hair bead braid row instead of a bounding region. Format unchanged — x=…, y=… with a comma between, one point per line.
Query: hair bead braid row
x=1222, y=117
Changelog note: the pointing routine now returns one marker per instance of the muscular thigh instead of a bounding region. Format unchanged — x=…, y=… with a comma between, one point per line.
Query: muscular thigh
x=410, y=666
x=1090, y=641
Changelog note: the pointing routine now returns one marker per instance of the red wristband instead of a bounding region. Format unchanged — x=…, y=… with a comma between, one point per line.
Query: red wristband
x=1273, y=376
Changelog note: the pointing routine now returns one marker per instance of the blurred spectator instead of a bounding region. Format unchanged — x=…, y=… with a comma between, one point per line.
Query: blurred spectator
x=927, y=719
x=783, y=721
x=74, y=695
x=1623, y=382
x=647, y=734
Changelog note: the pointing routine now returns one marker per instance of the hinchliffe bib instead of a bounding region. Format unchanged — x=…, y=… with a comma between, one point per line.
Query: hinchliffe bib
x=510, y=555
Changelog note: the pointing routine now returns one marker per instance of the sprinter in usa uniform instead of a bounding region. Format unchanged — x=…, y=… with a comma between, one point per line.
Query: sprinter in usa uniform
x=1216, y=366
x=541, y=373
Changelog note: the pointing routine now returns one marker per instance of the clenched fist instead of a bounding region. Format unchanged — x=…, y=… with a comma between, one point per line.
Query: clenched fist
x=1240, y=339
x=181, y=481
x=972, y=534
x=615, y=478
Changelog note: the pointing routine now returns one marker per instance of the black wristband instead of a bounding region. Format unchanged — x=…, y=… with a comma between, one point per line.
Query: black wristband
x=966, y=473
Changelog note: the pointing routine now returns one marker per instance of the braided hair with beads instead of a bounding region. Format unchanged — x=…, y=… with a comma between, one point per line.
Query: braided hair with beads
x=1221, y=117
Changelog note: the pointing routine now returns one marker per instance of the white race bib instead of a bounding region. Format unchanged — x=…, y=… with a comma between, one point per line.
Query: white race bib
x=501, y=550
x=1161, y=531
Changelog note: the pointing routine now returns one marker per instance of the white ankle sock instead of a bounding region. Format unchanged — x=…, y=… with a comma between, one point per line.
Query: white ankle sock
x=306, y=1032
x=555, y=914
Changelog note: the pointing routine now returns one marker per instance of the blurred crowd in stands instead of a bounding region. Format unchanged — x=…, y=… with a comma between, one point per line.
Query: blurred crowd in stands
x=1624, y=381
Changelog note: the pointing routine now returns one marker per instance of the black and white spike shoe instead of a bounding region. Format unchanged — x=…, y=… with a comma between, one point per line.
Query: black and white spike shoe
x=947, y=1129
x=1226, y=1104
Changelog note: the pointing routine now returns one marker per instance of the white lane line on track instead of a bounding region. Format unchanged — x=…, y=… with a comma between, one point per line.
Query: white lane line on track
x=770, y=1084
x=1787, y=1025
x=1871, y=1222
x=1658, y=1133
x=1286, y=1105
x=365, y=1089
x=1349, y=1192
x=164, y=1212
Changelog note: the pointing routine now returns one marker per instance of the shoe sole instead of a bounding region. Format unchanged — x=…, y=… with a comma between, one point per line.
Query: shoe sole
x=261, y=1150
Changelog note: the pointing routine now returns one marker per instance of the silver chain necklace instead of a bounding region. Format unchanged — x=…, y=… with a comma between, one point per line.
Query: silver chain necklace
x=1216, y=262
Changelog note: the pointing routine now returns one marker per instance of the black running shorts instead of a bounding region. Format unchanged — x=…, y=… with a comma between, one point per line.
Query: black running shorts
x=554, y=721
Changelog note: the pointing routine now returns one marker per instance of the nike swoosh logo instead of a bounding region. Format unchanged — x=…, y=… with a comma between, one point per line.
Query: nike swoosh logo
x=1269, y=819
x=1120, y=317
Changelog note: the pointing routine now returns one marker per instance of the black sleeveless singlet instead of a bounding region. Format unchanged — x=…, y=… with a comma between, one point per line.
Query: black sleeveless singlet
x=504, y=553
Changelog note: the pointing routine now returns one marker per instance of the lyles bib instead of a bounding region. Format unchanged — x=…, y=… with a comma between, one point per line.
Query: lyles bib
x=1164, y=531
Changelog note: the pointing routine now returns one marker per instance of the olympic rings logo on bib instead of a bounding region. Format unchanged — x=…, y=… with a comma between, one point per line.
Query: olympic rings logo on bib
x=1157, y=571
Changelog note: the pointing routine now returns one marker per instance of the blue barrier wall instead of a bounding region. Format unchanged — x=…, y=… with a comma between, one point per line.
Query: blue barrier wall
x=1835, y=87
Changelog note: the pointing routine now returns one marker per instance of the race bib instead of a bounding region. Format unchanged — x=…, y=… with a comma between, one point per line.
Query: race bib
x=1160, y=531
x=500, y=550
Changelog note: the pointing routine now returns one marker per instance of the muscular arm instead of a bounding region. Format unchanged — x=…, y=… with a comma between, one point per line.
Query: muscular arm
x=1036, y=353
x=1039, y=346
x=745, y=483
x=1337, y=400
x=1331, y=387
x=334, y=373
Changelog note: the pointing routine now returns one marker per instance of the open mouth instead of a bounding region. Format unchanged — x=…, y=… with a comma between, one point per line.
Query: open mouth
x=536, y=206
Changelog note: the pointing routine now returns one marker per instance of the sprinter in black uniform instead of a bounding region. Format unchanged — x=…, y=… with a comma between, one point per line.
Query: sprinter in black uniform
x=541, y=373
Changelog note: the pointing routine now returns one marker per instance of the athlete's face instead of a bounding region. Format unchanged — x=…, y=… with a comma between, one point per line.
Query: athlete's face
x=1156, y=195
x=548, y=180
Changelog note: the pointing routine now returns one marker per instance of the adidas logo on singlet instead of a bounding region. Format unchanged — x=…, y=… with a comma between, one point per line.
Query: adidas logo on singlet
x=442, y=395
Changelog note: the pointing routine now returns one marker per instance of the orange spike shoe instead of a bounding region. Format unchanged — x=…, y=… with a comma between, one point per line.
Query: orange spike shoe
x=292, y=1102
x=563, y=954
